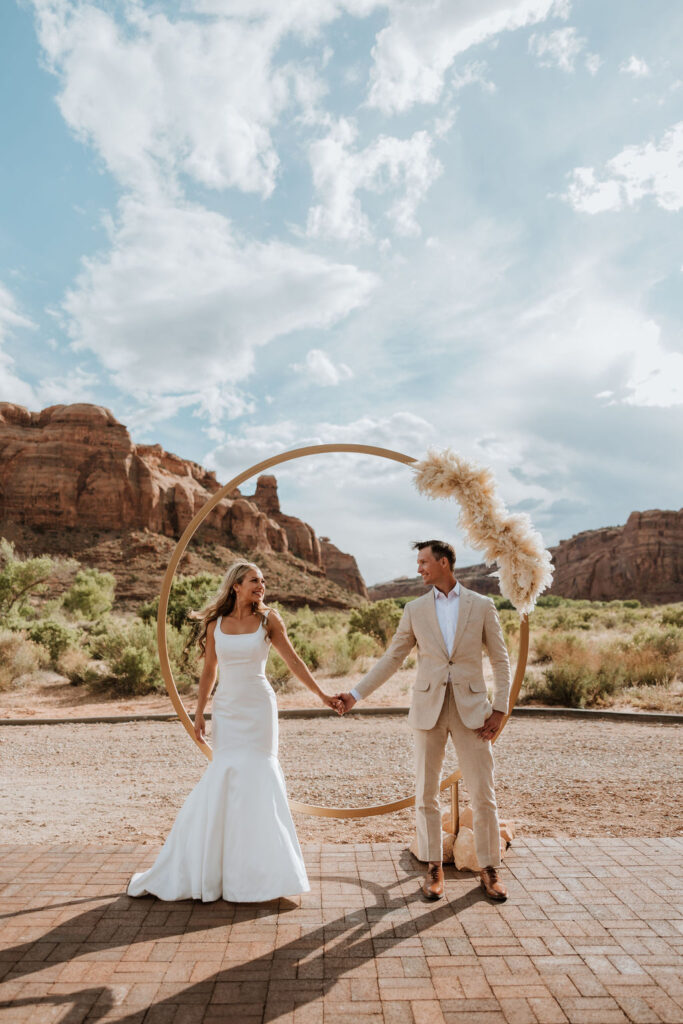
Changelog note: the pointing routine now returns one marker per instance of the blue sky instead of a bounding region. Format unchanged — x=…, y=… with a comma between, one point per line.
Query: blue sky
x=244, y=226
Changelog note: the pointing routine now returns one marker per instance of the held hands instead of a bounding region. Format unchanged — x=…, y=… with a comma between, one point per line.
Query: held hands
x=346, y=701
x=490, y=726
x=333, y=703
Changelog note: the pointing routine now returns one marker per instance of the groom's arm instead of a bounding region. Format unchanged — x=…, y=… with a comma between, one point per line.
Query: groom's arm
x=498, y=656
x=400, y=647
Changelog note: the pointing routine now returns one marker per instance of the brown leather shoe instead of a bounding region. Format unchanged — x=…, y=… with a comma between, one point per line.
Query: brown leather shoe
x=432, y=886
x=492, y=886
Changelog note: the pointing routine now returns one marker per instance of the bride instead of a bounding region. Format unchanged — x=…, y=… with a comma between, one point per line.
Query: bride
x=234, y=836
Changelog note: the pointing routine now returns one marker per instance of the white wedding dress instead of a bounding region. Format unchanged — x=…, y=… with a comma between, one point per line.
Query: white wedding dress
x=234, y=836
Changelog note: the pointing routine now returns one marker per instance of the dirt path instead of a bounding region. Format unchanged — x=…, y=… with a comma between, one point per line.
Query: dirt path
x=555, y=777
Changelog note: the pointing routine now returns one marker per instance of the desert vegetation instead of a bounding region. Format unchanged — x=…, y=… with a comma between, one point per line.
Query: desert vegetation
x=56, y=615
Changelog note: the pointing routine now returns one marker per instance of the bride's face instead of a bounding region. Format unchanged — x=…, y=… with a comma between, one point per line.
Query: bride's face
x=252, y=588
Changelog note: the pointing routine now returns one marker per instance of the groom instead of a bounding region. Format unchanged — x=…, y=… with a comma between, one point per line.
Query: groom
x=449, y=624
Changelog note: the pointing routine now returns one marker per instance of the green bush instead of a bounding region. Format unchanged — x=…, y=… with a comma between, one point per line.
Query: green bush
x=308, y=651
x=277, y=671
x=378, y=620
x=91, y=594
x=361, y=645
x=54, y=636
x=20, y=577
x=129, y=650
x=341, y=660
x=503, y=603
x=188, y=593
x=550, y=601
x=631, y=603
x=19, y=656
x=673, y=615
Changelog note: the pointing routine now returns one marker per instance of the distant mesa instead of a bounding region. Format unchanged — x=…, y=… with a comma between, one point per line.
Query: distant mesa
x=642, y=559
x=73, y=482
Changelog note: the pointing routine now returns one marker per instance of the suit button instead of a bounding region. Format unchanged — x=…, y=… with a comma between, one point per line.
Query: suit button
x=450, y=662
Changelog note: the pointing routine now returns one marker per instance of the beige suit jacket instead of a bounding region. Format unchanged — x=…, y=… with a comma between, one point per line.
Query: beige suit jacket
x=478, y=624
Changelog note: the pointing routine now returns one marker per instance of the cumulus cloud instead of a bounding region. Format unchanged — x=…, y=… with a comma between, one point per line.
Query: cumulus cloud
x=407, y=167
x=179, y=304
x=319, y=369
x=159, y=98
x=635, y=66
x=422, y=39
x=557, y=49
x=650, y=169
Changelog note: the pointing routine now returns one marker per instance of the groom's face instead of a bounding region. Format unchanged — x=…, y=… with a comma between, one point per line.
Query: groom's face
x=430, y=569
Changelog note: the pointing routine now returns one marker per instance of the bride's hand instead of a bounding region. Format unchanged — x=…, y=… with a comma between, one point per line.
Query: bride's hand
x=331, y=702
x=200, y=727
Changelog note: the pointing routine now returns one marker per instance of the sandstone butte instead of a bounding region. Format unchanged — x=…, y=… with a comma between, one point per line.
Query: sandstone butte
x=72, y=482
x=642, y=559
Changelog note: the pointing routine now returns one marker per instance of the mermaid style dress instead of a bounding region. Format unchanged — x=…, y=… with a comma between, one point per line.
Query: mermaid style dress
x=234, y=836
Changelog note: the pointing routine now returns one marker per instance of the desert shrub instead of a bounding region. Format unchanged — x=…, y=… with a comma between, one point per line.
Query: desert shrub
x=503, y=603
x=361, y=645
x=550, y=601
x=341, y=660
x=673, y=615
x=548, y=648
x=408, y=663
x=610, y=622
x=651, y=659
x=129, y=650
x=91, y=594
x=77, y=665
x=54, y=636
x=574, y=685
x=19, y=656
x=631, y=603
x=20, y=577
x=188, y=593
x=277, y=671
x=308, y=651
x=378, y=620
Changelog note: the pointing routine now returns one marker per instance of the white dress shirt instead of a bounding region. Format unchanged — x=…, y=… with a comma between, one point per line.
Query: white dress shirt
x=447, y=609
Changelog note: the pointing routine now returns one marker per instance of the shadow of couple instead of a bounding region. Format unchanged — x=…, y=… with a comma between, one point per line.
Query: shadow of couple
x=373, y=919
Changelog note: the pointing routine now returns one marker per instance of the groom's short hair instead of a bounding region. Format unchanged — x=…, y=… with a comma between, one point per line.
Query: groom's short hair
x=440, y=549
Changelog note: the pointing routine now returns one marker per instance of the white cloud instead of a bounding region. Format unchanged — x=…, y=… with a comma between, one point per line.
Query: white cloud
x=159, y=99
x=557, y=49
x=650, y=169
x=12, y=387
x=78, y=385
x=473, y=73
x=178, y=306
x=320, y=370
x=635, y=66
x=418, y=46
x=407, y=167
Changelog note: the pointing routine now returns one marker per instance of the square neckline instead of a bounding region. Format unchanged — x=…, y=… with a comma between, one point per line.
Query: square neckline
x=252, y=632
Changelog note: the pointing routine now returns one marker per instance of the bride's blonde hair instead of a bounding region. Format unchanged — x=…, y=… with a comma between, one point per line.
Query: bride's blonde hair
x=223, y=602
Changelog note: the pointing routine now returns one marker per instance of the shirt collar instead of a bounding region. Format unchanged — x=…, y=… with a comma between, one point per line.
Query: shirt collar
x=451, y=596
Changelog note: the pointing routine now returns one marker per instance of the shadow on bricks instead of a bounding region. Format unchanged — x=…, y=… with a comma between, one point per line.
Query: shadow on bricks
x=250, y=988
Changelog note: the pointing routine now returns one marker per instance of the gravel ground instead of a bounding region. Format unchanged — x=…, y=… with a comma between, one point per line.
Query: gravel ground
x=555, y=777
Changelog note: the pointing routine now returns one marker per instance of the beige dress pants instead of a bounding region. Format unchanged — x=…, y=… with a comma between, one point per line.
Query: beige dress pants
x=475, y=760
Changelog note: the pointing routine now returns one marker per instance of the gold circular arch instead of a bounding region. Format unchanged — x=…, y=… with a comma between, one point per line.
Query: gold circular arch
x=178, y=552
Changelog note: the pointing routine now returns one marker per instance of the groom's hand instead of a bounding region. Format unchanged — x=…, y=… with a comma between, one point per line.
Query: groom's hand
x=346, y=700
x=490, y=726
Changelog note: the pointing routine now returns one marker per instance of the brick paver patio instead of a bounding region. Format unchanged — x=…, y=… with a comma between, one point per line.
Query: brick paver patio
x=591, y=934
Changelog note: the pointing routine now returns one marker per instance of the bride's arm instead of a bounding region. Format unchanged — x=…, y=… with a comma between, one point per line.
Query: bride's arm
x=277, y=632
x=206, y=681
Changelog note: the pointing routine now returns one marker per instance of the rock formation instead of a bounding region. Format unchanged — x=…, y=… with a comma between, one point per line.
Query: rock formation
x=642, y=559
x=72, y=481
x=342, y=568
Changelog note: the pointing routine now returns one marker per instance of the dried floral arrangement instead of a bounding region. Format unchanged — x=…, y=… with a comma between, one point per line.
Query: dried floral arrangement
x=524, y=565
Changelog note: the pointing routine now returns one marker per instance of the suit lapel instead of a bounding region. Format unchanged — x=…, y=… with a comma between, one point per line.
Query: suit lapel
x=431, y=620
x=463, y=616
